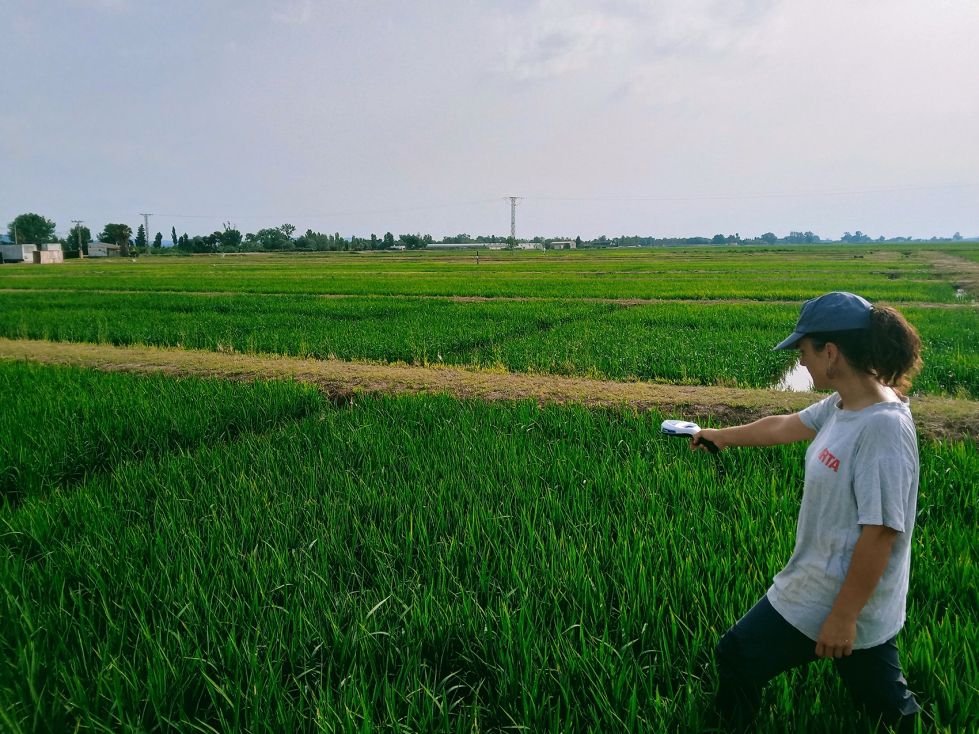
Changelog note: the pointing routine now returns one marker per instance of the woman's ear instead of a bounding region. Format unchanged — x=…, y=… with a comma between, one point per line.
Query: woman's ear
x=832, y=353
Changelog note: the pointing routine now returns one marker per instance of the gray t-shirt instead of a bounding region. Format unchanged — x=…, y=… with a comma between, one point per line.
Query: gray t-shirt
x=861, y=469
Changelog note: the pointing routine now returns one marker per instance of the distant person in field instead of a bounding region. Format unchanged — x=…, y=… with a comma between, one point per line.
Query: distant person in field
x=842, y=594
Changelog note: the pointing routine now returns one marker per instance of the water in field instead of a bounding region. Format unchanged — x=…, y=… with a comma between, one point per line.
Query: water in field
x=797, y=379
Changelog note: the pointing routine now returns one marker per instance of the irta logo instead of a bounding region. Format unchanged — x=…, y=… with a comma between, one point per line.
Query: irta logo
x=829, y=460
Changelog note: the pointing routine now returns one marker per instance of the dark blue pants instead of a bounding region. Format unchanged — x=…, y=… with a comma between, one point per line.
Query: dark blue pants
x=762, y=644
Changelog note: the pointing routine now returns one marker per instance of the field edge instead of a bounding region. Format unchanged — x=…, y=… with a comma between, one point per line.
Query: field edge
x=936, y=417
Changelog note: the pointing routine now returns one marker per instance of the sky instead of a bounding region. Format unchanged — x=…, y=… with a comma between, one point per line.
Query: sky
x=619, y=117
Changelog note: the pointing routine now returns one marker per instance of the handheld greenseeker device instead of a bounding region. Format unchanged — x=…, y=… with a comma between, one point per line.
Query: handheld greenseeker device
x=686, y=429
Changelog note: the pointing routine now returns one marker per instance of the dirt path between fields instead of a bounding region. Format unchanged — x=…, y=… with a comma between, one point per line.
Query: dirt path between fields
x=962, y=273
x=936, y=417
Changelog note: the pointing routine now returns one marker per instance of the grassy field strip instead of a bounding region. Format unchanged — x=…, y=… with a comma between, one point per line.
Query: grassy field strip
x=420, y=563
x=677, y=342
x=962, y=271
x=62, y=425
x=935, y=417
x=480, y=299
x=711, y=273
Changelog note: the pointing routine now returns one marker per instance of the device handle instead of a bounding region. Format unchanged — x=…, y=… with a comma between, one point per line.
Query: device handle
x=709, y=445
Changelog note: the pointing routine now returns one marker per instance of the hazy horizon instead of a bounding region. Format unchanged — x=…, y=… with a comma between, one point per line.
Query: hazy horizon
x=668, y=119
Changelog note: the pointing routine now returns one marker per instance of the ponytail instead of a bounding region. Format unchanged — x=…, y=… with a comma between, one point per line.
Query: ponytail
x=890, y=349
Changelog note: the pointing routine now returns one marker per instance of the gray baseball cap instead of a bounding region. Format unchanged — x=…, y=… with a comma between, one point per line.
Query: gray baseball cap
x=837, y=311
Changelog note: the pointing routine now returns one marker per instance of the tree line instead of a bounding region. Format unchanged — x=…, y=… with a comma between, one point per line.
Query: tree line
x=31, y=228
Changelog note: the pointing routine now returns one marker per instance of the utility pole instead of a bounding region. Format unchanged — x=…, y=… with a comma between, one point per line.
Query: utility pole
x=78, y=233
x=514, y=200
x=146, y=230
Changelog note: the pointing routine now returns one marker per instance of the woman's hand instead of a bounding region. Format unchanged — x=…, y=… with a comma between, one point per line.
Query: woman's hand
x=709, y=434
x=836, y=636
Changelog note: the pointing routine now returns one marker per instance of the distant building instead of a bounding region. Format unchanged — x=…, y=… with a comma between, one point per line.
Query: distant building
x=564, y=245
x=17, y=253
x=103, y=249
x=48, y=257
x=48, y=253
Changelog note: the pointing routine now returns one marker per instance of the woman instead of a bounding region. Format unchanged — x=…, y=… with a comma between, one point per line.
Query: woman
x=842, y=594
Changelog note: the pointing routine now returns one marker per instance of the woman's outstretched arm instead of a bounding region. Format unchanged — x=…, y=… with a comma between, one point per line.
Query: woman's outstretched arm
x=770, y=431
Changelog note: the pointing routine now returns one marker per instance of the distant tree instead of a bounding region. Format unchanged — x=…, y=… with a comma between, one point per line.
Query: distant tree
x=31, y=229
x=140, y=238
x=287, y=230
x=230, y=238
x=158, y=241
x=957, y=236
x=388, y=240
x=183, y=243
x=718, y=239
x=769, y=237
x=273, y=239
x=78, y=238
x=577, y=242
x=412, y=241
x=858, y=237
x=374, y=242
x=173, y=236
x=315, y=241
x=117, y=234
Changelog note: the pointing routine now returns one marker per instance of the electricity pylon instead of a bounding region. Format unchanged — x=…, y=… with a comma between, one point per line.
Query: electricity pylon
x=514, y=200
x=146, y=230
x=78, y=233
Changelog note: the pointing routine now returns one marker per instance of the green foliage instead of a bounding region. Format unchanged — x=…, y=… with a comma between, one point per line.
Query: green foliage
x=158, y=241
x=117, y=234
x=230, y=239
x=686, y=343
x=31, y=229
x=794, y=274
x=60, y=425
x=413, y=241
x=141, y=242
x=273, y=238
x=78, y=238
x=457, y=565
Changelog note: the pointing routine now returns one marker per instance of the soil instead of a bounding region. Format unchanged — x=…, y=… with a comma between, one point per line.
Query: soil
x=937, y=418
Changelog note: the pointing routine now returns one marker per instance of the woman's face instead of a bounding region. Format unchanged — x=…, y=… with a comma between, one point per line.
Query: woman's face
x=815, y=362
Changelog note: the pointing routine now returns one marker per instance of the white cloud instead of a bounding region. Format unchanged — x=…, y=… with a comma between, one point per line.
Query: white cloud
x=554, y=37
x=294, y=13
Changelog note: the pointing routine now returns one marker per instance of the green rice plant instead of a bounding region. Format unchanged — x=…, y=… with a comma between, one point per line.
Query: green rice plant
x=61, y=425
x=692, y=343
x=950, y=340
x=425, y=564
x=704, y=273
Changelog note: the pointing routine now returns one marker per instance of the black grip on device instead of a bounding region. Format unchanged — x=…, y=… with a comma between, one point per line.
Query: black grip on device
x=709, y=445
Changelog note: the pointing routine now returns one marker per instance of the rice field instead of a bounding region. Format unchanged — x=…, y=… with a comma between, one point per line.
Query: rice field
x=200, y=555
x=414, y=564
x=877, y=272
x=685, y=343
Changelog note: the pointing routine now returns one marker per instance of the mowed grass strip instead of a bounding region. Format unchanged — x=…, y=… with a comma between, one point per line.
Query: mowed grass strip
x=429, y=564
x=62, y=425
x=681, y=343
